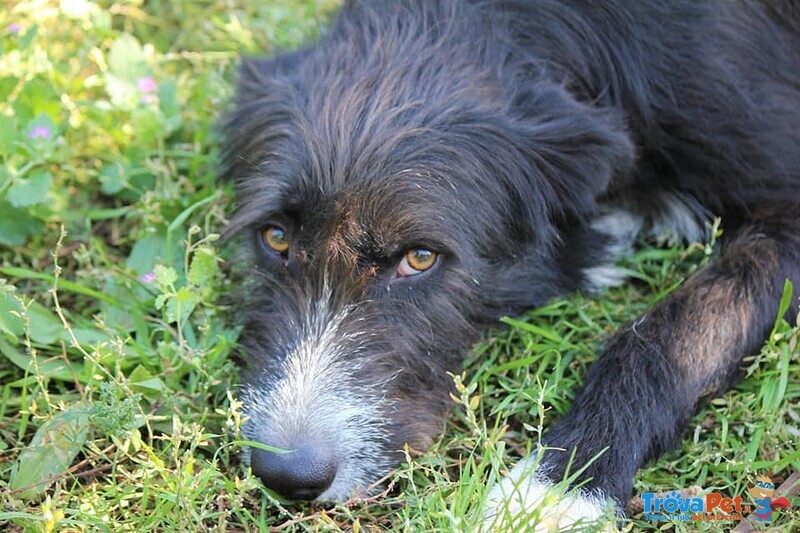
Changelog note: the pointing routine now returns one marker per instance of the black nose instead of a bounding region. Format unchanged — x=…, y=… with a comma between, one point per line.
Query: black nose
x=302, y=474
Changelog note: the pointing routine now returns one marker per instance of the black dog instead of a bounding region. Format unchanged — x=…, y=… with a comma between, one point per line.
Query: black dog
x=430, y=166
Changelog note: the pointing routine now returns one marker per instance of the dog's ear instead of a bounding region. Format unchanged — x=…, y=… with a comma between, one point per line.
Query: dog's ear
x=263, y=106
x=576, y=147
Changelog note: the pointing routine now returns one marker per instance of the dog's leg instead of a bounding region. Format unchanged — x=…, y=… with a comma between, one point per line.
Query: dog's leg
x=656, y=371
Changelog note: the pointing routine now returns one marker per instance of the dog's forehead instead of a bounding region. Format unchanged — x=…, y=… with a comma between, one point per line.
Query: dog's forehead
x=381, y=214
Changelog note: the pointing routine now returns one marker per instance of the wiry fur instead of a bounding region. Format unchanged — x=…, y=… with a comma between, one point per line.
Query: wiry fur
x=527, y=142
x=320, y=397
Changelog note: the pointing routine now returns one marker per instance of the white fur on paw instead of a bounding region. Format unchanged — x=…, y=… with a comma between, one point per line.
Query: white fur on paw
x=620, y=227
x=527, y=501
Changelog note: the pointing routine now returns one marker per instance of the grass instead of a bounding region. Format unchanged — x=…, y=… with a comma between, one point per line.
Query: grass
x=117, y=391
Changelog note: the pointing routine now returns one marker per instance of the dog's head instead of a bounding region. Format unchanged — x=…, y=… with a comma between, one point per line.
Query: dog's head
x=397, y=190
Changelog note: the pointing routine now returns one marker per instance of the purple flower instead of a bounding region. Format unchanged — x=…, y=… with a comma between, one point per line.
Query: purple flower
x=39, y=132
x=148, y=278
x=13, y=28
x=146, y=85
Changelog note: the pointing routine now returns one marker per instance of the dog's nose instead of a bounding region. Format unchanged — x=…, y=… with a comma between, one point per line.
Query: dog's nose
x=302, y=474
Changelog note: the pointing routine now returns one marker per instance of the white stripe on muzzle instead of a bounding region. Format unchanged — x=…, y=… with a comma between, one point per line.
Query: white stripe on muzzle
x=317, y=396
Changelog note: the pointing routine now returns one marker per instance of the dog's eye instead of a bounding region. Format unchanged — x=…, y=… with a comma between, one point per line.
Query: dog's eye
x=275, y=239
x=417, y=260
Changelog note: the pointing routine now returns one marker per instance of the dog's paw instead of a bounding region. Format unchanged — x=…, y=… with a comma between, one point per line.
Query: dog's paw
x=527, y=501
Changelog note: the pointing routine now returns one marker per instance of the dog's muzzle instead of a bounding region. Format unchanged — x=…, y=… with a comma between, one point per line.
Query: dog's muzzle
x=318, y=408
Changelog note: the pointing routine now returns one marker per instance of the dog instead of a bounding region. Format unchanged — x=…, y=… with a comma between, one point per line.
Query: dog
x=429, y=166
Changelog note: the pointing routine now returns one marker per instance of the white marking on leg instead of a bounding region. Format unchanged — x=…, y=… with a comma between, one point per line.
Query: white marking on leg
x=681, y=218
x=678, y=217
x=603, y=276
x=526, y=500
x=621, y=228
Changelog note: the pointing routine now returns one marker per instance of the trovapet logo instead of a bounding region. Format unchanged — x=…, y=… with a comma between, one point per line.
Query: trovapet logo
x=762, y=492
x=676, y=506
x=689, y=506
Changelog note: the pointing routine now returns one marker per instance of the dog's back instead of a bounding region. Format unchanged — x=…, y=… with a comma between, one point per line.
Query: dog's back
x=708, y=90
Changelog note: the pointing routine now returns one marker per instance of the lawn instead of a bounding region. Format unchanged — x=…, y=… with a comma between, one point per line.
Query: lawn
x=118, y=407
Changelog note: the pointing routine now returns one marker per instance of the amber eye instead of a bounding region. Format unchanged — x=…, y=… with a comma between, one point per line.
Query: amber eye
x=275, y=239
x=417, y=260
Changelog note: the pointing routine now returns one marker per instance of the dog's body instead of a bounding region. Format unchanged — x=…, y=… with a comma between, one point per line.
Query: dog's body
x=430, y=166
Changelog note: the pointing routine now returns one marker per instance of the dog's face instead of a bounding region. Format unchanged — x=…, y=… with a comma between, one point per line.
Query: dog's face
x=365, y=291
x=362, y=297
x=393, y=202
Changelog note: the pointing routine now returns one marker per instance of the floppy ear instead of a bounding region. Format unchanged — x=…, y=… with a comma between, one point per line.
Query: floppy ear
x=263, y=108
x=577, y=147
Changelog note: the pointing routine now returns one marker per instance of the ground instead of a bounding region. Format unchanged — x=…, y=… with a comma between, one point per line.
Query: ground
x=118, y=405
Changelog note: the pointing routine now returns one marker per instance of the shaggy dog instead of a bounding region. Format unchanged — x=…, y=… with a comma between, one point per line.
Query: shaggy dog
x=432, y=165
